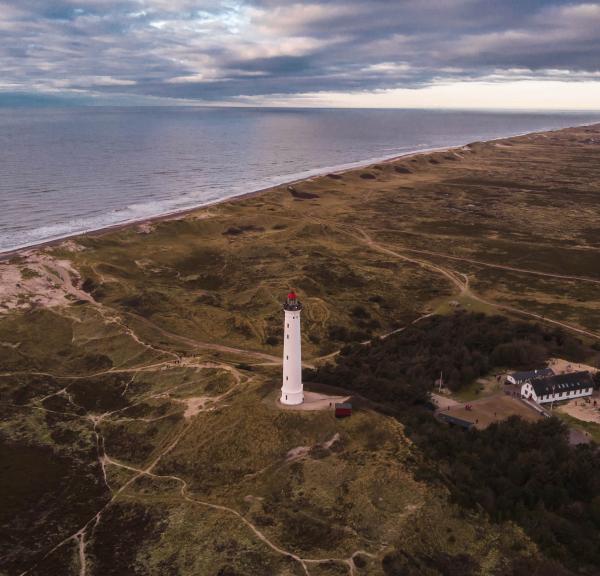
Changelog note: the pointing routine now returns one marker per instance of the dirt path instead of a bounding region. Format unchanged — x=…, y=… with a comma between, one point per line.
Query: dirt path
x=503, y=267
x=199, y=345
x=104, y=460
x=518, y=311
x=79, y=536
x=331, y=355
x=458, y=279
x=116, y=319
x=184, y=491
x=463, y=286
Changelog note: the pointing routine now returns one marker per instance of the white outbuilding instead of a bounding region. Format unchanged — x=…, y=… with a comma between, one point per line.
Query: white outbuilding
x=528, y=376
x=559, y=387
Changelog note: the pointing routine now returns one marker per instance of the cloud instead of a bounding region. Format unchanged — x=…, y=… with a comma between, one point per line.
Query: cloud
x=231, y=50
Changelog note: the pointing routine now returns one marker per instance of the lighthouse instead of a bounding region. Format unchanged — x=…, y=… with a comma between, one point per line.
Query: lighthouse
x=291, y=389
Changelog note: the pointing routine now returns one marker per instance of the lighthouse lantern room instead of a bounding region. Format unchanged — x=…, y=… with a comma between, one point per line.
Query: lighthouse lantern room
x=291, y=389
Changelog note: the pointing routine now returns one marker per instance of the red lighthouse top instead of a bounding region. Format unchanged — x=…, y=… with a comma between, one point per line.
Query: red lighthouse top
x=292, y=303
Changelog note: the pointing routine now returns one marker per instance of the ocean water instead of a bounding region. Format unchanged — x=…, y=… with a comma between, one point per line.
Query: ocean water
x=65, y=171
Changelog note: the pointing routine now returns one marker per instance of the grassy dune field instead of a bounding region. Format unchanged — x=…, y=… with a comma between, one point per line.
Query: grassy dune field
x=139, y=431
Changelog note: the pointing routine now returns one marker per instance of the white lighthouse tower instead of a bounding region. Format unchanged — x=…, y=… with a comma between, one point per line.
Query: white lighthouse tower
x=292, y=390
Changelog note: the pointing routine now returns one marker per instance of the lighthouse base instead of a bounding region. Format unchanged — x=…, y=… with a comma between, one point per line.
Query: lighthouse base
x=291, y=398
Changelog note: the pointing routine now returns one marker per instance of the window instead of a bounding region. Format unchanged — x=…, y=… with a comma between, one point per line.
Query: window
x=286, y=377
x=288, y=325
x=287, y=357
x=288, y=336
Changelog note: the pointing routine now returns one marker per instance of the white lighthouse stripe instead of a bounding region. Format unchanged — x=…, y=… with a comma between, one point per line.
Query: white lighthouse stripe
x=292, y=389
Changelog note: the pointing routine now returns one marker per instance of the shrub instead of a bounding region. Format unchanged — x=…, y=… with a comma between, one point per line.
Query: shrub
x=360, y=312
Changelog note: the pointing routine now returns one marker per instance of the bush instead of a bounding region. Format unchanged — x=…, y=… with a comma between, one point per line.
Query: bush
x=463, y=347
x=339, y=333
x=360, y=312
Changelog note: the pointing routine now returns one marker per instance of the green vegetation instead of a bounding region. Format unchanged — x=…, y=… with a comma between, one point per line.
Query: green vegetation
x=592, y=428
x=28, y=273
x=139, y=431
x=462, y=346
x=44, y=486
x=114, y=552
x=480, y=388
x=513, y=470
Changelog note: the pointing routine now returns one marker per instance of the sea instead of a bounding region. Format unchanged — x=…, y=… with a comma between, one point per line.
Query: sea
x=68, y=171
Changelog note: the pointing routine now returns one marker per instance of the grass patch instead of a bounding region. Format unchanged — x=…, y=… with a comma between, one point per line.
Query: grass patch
x=592, y=428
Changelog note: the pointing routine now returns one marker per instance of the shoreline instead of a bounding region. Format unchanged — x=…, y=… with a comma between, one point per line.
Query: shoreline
x=181, y=213
x=316, y=173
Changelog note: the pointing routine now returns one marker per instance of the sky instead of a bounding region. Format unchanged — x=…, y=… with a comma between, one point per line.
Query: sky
x=516, y=54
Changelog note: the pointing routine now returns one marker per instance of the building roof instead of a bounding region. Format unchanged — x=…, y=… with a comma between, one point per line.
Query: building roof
x=454, y=420
x=343, y=405
x=532, y=374
x=563, y=383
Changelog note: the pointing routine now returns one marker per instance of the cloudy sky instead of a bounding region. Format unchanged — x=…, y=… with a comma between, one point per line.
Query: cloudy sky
x=407, y=53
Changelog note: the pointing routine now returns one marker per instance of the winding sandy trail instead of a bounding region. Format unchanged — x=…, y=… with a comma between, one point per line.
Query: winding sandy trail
x=335, y=353
x=95, y=419
x=199, y=345
x=184, y=491
x=463, y=286
x=79, y=536
x=116, y=319
x=540, y=317
x=458, y=279
x=503, y=266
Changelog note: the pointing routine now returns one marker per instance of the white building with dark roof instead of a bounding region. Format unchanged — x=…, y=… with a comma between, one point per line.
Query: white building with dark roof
x=560, y=387
x=528, y=376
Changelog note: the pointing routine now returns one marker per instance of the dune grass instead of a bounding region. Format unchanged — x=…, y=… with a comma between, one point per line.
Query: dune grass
x=190, y=306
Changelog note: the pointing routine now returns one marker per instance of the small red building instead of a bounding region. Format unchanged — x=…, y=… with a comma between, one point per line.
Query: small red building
x=343, y=409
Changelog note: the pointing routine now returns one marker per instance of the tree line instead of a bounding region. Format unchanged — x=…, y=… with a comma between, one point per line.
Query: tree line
x=513, y=470
x=463, y=347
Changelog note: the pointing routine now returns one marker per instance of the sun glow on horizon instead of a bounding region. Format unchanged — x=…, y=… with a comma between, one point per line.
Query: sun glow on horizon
x=471, y=95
